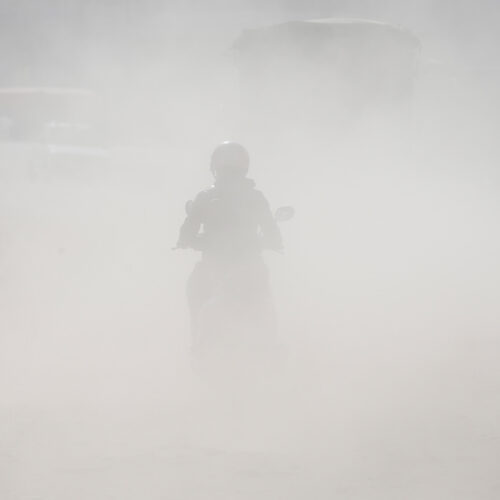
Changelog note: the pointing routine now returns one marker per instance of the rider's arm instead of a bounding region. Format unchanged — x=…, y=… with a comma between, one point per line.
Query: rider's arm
x=271, y=235
x=192, y=224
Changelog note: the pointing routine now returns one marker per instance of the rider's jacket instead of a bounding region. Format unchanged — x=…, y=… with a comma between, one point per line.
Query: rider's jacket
x=230, y=219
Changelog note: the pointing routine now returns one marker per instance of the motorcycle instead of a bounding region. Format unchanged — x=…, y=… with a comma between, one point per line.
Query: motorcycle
x=235, y=329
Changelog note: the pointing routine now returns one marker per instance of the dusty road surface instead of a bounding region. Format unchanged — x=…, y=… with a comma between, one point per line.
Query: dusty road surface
x=391, y=389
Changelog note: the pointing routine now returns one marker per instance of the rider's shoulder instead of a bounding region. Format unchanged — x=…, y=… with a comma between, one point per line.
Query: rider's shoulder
x=252, y=189
x=259, y=196
x=247, y=188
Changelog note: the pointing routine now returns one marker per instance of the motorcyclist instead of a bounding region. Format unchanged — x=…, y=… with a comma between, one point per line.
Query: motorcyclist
x=230, y=223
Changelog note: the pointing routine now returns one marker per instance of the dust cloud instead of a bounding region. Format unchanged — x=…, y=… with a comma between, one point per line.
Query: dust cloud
x=384, y=139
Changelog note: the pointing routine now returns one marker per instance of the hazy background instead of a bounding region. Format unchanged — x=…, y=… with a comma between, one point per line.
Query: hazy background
x=387, y=294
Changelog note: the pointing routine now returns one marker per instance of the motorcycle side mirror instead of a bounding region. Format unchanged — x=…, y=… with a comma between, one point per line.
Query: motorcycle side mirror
x=188, y=206
x=284, y=213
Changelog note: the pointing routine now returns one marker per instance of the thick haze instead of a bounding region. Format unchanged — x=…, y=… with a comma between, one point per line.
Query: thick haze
x=387, y=293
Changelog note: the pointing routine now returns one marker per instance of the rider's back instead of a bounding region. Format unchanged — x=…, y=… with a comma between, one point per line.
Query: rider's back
x=235, y=218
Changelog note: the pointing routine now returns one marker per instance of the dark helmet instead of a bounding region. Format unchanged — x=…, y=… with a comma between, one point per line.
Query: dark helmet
x=230, y=159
